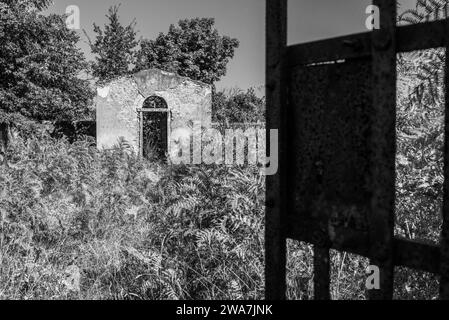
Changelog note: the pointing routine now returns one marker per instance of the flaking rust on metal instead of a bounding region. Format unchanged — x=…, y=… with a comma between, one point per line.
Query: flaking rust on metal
x=275, y=238
x=383, y=149
x=331, y=106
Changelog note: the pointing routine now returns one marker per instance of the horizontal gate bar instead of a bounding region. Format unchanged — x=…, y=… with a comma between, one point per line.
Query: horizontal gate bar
x=409, y=38
x=422, y=36
x=416, y=255
x=353, y=46
x=407, y=253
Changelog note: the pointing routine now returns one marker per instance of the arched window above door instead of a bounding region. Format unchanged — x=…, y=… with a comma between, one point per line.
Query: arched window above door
x=155, y=102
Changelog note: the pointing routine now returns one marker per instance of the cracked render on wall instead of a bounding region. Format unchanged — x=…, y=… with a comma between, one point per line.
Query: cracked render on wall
x=117, y=104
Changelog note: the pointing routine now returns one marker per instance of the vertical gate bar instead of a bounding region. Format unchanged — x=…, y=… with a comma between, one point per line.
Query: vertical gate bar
x=275, y=242
x=381, y=217
x=321, y=273
x=444, y=241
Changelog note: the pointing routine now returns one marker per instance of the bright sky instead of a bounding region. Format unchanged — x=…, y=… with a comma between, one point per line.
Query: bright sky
x=243, y=19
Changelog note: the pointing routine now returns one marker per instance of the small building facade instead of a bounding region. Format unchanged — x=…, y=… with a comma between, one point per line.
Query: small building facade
x=144, y=108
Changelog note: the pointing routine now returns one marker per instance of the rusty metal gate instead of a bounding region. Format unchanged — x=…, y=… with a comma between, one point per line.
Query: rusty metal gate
x=334, y=104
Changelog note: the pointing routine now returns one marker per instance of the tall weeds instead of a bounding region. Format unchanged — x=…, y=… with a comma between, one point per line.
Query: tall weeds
x=79, y=223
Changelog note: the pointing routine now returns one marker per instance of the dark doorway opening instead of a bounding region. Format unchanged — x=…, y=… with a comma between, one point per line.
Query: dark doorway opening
x=154, y=128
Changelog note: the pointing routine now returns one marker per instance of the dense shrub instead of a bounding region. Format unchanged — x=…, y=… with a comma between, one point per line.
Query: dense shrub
x=83, y=224
x=237, y=106
x=125, y=228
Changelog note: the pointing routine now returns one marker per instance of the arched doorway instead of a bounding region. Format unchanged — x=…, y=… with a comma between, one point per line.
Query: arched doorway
x=154, y=128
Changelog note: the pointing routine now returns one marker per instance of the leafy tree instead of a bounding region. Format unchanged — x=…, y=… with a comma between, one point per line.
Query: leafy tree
x=238, y=107
x=38, y=4
x=420, y=144
x=427, y=66
x=420, y=130
x=114, y=46
x=193, y=49
x=40, y=65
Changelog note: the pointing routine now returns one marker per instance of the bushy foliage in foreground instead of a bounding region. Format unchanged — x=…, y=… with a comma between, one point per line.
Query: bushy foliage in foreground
x=79, y=223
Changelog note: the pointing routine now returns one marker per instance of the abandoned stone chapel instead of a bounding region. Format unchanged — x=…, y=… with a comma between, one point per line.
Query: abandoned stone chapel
x=144, y=108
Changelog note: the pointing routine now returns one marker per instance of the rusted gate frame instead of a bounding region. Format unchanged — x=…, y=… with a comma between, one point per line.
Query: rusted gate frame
x=275, y=239
x=383, y=248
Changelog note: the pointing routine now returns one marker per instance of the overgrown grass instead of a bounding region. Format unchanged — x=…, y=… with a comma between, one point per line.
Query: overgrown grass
x=126, y=229
x=77, y=223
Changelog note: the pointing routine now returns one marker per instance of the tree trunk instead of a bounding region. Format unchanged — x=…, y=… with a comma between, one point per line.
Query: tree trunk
x=4, y=141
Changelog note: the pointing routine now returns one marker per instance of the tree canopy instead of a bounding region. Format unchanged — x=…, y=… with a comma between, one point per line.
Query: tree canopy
x=114, y=47
x=193, y=48
x=40, y=65
x=238, y=106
